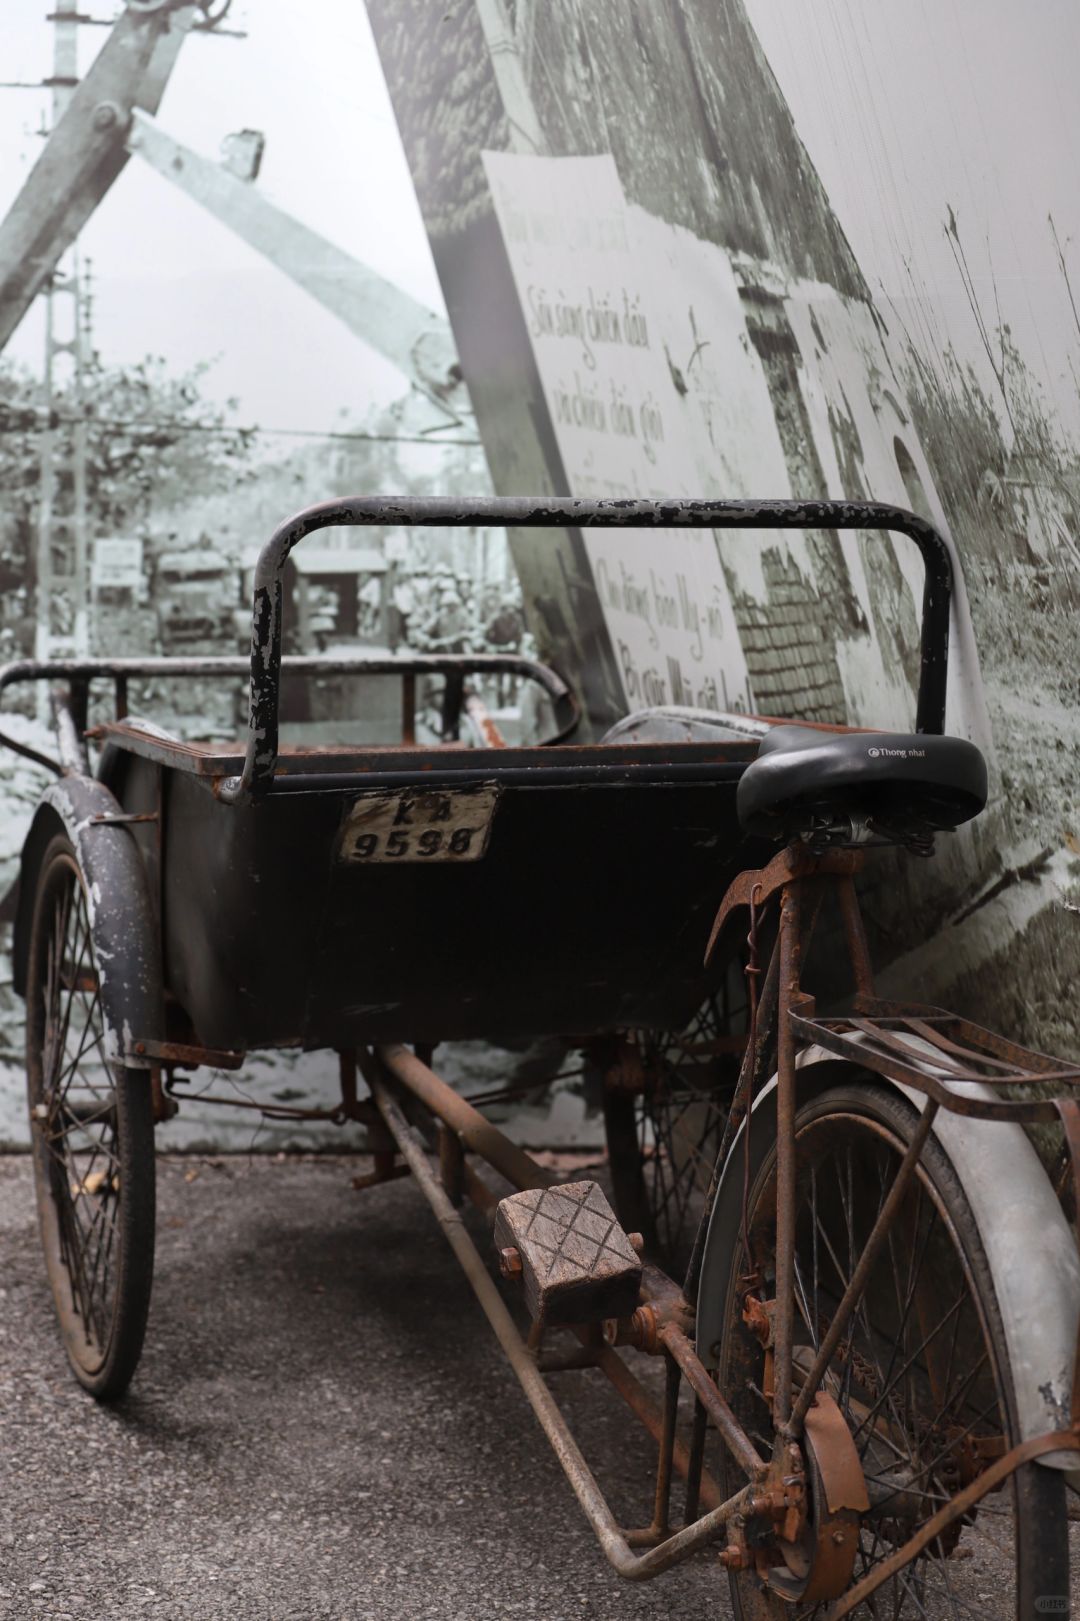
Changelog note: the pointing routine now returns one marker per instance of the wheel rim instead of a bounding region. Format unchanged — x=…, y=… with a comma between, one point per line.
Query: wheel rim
x=915, y=1375
x=75, y=1129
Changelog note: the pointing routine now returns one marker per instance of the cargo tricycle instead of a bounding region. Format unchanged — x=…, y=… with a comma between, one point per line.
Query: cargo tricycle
x=824, y=1265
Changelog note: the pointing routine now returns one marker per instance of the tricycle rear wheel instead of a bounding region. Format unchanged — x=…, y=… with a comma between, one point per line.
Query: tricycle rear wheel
x=922, y=1378
x=92, y=1133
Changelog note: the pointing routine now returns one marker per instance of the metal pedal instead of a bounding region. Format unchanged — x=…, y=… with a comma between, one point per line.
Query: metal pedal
x=575, y=1261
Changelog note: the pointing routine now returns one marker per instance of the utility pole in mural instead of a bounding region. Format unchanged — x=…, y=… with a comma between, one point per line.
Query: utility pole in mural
x=62, y=542
x=651, y=295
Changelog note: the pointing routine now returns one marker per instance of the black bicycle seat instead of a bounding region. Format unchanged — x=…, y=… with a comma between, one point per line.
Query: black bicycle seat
x=857, y=787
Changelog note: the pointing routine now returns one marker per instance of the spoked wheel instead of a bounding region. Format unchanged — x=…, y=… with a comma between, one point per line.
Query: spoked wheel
x=663, y=1127
x=93, y=1140
x=921, y=1377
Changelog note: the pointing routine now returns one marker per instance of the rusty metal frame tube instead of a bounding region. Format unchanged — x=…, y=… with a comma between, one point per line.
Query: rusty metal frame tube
x=730, y=1430
x=697, y=1460
x=784, y=1320
x=477, y=1133
x=627, y=1385
x=18, y=747
x=661, y=1520
x=481, y=1137
x=203, y=664
x=855, y=936
x=634, y=1567
x=451, y=1164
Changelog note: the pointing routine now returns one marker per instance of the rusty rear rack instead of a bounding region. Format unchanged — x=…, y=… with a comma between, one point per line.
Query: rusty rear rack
x=948, y=1058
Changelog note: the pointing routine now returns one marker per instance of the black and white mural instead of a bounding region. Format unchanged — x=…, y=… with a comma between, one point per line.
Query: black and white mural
x=708, y=247
x=597, y=247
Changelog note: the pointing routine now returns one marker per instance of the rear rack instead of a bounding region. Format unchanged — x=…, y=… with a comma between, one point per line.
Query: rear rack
x=942, y=1055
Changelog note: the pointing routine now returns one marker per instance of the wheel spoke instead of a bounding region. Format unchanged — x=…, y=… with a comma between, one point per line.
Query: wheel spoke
x=914, y=1373
x=908, y=1364
x=858, y=1316
x=77, y=1132
x=63, y=1081
x=83, y=943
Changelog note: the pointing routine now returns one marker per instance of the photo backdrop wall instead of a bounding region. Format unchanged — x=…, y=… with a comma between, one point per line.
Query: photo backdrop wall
x=701, y=247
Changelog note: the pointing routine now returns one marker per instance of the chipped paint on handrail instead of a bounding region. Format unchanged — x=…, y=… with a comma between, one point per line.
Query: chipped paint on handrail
x=562, y=512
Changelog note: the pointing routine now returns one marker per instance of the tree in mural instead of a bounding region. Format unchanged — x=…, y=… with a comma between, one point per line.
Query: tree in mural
x=152, y=437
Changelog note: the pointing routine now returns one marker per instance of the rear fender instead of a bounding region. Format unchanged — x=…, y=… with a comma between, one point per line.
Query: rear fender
x=1029, y=1246
x=121, y=915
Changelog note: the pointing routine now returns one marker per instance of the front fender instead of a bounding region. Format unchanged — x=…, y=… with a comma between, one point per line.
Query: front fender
x=121, y=915
x=1029, y=1247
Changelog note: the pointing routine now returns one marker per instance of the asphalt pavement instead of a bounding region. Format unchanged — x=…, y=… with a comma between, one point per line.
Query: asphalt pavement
x=321, y=1427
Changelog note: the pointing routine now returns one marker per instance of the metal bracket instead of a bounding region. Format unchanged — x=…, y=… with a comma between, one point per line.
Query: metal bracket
x=794, y=861
x=122, y=818
x=178, y=1052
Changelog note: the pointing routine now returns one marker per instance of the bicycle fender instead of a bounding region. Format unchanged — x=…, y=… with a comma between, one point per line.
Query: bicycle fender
x=118, y=900
x=1029, y=1246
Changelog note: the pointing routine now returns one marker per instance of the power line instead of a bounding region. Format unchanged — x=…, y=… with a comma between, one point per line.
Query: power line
x=224, y=430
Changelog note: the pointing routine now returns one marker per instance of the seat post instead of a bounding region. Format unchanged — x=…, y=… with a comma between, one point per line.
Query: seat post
x=800, y=896
x=855, y=936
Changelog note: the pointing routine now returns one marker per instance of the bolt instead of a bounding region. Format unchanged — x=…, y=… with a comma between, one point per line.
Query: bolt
x=106, y=115
x=510, y=1262
x=636, y=1242
x=643, y=1330
x=140, y=1046
x=838, y=1538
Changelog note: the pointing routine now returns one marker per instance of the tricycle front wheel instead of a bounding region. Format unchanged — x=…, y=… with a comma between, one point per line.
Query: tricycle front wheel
x=92, y=1133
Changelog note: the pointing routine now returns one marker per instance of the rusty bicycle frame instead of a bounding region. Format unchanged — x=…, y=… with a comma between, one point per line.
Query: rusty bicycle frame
x=878, y=1037
x=899, y=1036
x=413, y=1112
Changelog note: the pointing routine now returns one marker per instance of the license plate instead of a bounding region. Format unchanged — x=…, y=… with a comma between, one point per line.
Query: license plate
x=429, y=824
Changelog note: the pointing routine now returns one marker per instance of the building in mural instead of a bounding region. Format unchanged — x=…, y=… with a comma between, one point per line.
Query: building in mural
x=652, y=295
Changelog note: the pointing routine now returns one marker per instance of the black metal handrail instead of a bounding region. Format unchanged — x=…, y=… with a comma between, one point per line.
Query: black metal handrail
x=569, y=512
x=77, y=674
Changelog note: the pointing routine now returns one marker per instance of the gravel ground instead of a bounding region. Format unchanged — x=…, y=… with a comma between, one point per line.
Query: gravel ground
x=321, y=1427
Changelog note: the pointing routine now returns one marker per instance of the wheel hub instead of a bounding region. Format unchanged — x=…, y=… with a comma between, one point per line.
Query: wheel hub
x=802, y=1534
